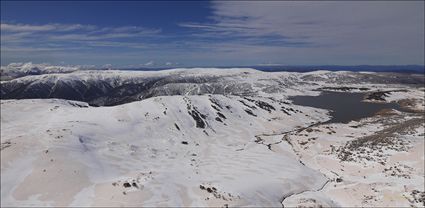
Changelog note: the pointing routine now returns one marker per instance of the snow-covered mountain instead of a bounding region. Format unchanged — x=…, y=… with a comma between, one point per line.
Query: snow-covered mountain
x=117, y=87
x=15, y=70
x=204, y=137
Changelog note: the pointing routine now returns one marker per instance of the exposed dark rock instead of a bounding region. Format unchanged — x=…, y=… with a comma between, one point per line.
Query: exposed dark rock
x=80, y=105
x=126, y=185
x=177, y=127
x=198, y=118
x=258, y=140
x=250, y=112
x=250, y=100
x=418, y=196
x=283, y=109
x=265, y=106
x=215, y=107
x=221, y=115
x=215, y=102
x=249, y=106
x=380, y=96
x=196, y=115
x=344, y=88
x=5, y=145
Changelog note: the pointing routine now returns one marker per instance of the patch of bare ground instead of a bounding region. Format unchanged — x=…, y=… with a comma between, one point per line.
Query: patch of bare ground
x=214, y=192
x=372, y=147
x=416, y=197
x=5, y=145
x=386, y=112
x=410, y=105
x=399, y=170
x=380, y=95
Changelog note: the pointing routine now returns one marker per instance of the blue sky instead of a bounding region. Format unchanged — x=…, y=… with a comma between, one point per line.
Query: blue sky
x=209, y=33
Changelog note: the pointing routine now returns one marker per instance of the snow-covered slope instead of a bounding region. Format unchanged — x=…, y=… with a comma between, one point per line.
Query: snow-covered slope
x=70, y=154
x=191, y=137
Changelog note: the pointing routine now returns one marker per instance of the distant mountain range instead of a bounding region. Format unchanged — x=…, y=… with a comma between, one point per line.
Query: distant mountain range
x=16, y=70
x=416, y=69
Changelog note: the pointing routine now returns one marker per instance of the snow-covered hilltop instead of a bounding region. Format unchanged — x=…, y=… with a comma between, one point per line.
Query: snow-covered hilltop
x=207, y=137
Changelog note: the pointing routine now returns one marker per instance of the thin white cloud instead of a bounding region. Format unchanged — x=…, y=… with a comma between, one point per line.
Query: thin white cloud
x=379, y=31
x=23, y=40
x=5, y=27
x=67, y=32
x=150, y=63
x=314, y=20
x=25, y=28
x=29, y=49
x=117, y=44
x=287, y=32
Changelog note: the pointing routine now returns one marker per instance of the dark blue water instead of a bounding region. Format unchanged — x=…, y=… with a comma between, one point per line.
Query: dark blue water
x=344, y=106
